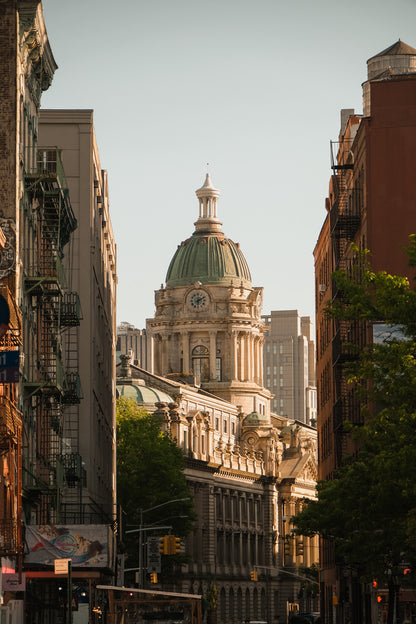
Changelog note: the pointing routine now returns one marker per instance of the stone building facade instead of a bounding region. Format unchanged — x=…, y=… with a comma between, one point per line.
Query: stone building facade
x=249, y=470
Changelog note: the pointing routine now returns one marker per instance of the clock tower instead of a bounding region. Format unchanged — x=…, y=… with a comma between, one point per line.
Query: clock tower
x=208, y=316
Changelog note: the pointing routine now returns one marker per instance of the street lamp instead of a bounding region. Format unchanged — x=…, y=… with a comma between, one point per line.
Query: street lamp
x=142, y=529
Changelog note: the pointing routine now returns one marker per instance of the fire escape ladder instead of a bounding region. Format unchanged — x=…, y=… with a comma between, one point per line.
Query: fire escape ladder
x=51, y=381
x=346, y=209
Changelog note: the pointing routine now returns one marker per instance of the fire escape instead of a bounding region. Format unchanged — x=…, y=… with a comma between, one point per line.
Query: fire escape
x=11, y=540
x=51, y=379
x=345, y=221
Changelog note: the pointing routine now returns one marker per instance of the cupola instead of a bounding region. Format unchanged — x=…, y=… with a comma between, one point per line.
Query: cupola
x=208, y=256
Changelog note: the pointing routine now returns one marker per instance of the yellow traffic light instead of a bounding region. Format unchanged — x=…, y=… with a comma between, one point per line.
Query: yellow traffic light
x=174, y=544
x=153, y=577
x=164, y=545
x=254, y=576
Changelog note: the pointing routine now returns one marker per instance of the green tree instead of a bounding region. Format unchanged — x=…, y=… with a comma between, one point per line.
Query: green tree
x=149, y=473
x=369, y=508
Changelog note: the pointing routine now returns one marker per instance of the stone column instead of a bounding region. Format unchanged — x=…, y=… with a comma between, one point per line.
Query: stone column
x=242, y=357
x=213, y=355
x=247, y=356
x=185, y=352
x=151, y=354
x=234, y=371
x=252, y=358
x=164, y=356
x=261, y=343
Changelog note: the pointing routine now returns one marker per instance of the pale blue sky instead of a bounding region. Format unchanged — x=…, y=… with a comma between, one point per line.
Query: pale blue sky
x=253, y=87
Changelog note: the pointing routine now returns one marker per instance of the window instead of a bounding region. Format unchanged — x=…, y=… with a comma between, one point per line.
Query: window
x=200, y=362
x=218, y=368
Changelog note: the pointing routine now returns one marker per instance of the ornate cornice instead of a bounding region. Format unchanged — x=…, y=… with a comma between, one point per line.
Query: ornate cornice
x=35, y=52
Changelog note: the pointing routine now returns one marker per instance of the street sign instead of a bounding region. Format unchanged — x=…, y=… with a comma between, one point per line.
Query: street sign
x=9, y=366
x=153, y=555
x=9, y=358
x=61, y=566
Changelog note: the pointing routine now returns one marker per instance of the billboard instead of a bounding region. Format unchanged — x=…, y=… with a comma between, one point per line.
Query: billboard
x=85, y=544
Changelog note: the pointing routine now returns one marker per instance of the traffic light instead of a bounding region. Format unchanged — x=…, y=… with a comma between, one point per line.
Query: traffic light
x=254, y=576
x=299, y=548
x=287, y=547
x=153, y=577
x=176, y=545
x=164, y=545
x=173, y=544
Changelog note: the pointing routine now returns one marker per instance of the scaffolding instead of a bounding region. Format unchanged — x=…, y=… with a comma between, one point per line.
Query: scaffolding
x=51, y=379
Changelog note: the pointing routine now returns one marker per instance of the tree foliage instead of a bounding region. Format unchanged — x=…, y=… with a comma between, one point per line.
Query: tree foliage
x=369, y=508
x=150, y=472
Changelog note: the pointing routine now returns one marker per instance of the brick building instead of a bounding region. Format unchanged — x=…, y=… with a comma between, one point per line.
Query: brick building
x=371, y=202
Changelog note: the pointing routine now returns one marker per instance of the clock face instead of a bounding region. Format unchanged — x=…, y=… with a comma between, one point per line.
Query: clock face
x=198, y=300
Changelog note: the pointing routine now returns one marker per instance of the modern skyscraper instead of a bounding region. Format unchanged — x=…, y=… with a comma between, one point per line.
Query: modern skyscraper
x=289, y=365
x=134, y=341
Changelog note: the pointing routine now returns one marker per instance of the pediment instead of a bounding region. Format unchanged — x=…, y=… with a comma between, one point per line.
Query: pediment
x=309, y=472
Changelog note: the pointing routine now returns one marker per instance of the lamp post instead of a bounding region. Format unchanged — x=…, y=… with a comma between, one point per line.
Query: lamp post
x=142, y=529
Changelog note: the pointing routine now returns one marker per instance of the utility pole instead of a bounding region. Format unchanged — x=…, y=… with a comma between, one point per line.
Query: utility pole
x=142, y=529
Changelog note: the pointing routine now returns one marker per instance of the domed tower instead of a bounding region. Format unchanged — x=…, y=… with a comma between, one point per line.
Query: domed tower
x=207, y=322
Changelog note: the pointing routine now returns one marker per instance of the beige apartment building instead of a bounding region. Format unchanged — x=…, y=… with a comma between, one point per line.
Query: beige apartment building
x=289, y=365
x=90, y=428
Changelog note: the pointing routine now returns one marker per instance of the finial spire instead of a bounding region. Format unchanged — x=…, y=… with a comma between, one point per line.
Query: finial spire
x=208, y=196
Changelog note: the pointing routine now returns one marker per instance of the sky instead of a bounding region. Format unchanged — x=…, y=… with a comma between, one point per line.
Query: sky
x=249, y=90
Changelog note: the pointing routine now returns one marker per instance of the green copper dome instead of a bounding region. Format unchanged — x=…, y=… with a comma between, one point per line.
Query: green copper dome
x=208, y=256
x=210, y=260
x=142, y=394
x=254, y=419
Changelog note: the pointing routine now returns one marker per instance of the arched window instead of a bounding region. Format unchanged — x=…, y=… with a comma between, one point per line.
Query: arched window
x=255, y=604
x=200, y=362
x=223, y=605
x=239, y=605
x=247, y=605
